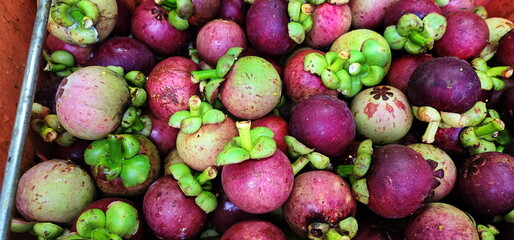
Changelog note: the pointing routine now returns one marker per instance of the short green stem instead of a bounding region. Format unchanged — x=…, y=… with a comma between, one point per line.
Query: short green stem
x=493, y=126
x=243, y=127
x=194, y=105
x=299, y=164
x=207, y=175
x=201, y=75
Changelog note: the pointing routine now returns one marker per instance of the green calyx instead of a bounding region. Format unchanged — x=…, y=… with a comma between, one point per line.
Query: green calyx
x=48, y=126
x=415, y=35
x=489, y=135
x=117, y=156
x=133, y=120
x=196, y=185
x=256, y=143
x=300, y=19
x=491, y=78
x=305, y=155
x=60, y=62
x=199, y=113
x=179, y=12
x=487, y=232
x=345, y=229
x=210, y=79
x=118, y=221
x=348, y=71
x=78, y=17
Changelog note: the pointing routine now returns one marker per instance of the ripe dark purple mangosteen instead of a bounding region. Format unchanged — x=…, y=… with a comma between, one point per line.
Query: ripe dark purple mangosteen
x=227, y=214
x=319, y=198
x=447, y=84
x=254, y=230
x=402, y=68
x=266, y=27
x=485, y=183
x=323, y=122
x=465, y=37
x=169, y=213
x=399, y=181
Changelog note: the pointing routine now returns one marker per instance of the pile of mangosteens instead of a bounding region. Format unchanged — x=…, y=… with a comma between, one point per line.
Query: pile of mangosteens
x=272, y=119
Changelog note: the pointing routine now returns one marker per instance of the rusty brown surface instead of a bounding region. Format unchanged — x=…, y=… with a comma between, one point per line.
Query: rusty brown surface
x=16, y=23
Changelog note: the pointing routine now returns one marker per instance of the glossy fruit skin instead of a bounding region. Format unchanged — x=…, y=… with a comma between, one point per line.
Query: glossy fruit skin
x=382, y=114
x=505, y=50
x=169, y=86
x=446, y=83
x=218, y=36
x=266, y=27
x=227, y=214
x=125, y=52
x=254, y=230
x=300, y=84
x=150, y=25
x=164, y=203
x=259, y=185
x=323, y=122
x=318, y=196
x=465, y=37
x=369, y=14
x=54, y=191
x=399, y=180
x=441, y=221
x=485, y=183
x=329, y=22
x=402, y=68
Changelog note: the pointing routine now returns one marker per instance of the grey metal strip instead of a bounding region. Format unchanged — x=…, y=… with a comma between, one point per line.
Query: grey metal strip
x=21, y=123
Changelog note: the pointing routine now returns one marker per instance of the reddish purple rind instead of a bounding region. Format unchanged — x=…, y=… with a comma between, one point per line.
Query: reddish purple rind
x=218, y=36
x=162, y=135
x=324, y=123
x=227, y=214
x=266, y=27
x=465, y=37
x=169, y=213
x=441, y=221
x=254, y=230
x=233, y=10
x=485, y=183
x=125, y=52
x=205, y=10
x=150, y=25
x=80, y=53
x=259, y=186
x=418, y=7
x=318, y=196
x=169, y=86
x=116, y=187
x=329, y=22
x=300, y=84
x=448, y=84
x=402, y=68
x=458, y=5
x=369, y=14
x=398, y=180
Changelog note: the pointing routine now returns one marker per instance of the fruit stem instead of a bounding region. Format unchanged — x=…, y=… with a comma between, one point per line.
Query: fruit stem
x=208, y=174
x=299, y=164
x=115, y=152
x=167, y=3
x=491, y=127
x=243, y=127
x=194, y=105
x=201, y=75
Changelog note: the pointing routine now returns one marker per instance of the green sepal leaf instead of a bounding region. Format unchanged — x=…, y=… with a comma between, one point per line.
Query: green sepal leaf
x=330, y=79
x=189, y=186
x=263, y=147
x=177, y=118
x=258, y=132
x=108, y=169
x=315, y=63
x=295, y=147
x=318, y=160
x=376, y=54
x=96, y=150
x=135, y=170
x=90, y=220
x=121, y=219
x=296, y=32
x=213, y=116
x=207, y=201
x=191, y=125
x=47, y=230
x=231, y=156
x=179, y=169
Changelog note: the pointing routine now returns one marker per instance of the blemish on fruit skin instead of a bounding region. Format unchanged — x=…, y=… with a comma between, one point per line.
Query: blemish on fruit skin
x=370, y=109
